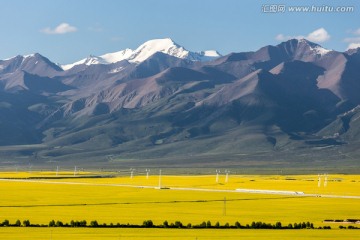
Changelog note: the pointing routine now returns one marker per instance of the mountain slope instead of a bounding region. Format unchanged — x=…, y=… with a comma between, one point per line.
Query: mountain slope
x=161, y=103
x=33, y=63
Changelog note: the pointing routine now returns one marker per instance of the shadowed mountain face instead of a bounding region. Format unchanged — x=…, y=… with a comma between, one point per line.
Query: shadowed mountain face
x=296, y=98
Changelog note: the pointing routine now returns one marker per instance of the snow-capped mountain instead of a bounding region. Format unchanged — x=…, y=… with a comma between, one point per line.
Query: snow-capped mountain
x=87, y=61
x=293, y=95
x=316, y=48
x=146, y=50
x=32, y=63
x=117, y=56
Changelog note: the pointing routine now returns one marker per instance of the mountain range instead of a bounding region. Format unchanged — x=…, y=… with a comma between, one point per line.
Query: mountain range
x=295, y=104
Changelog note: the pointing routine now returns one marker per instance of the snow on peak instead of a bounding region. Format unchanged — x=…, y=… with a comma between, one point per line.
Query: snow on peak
x=205, y=56
x=94, y=60
x=30, y=55
x=211, y=53
x=315, y=48
x=87, y=61
x=117, y=56
x=150, y=47
x=168, y=46
x=320, y=50
x=21, y=57
x=146, y=50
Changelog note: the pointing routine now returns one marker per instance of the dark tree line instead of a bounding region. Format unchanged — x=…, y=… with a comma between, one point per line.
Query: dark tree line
x=166, y=224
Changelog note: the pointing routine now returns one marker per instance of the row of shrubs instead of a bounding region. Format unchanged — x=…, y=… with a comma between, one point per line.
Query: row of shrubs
x=253, y=225
x=166, y=224
x=349, y=227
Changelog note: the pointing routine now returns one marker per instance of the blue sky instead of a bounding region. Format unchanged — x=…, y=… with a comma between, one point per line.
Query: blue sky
x=69, y=30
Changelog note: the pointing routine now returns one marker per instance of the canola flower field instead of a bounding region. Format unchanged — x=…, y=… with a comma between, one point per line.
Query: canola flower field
x=176, y=234
x=42, y=196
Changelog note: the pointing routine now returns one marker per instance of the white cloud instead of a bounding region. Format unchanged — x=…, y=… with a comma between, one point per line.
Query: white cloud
x=319, y=35
x=353, y=46
x=96, y=28
x=116, y=39
x=62, y=28
x=354, y=41
x=356, y=32
x=282, y=37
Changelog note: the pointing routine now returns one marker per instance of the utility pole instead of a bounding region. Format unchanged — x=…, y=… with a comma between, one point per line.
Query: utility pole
x=217, y=175
x=160, y=179
x=131, y=173
x=227, y=176
x=325, y=180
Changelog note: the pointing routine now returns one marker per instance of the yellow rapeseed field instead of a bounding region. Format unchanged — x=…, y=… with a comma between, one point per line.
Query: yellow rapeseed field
x=172, y=234
x=129, y=200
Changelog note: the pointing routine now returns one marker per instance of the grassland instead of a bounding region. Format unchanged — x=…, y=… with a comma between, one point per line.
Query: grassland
x=121, y=200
